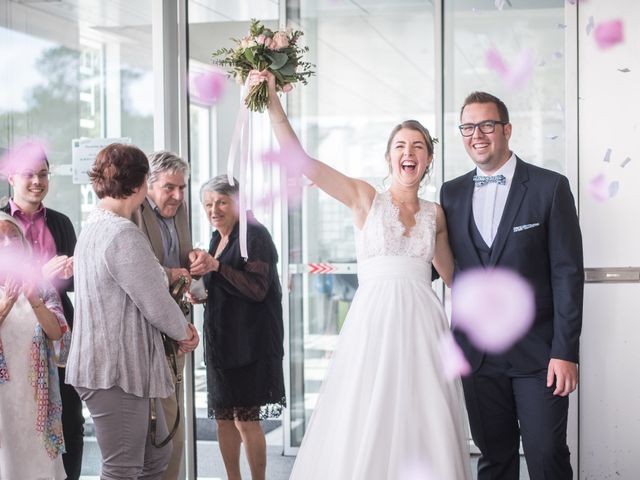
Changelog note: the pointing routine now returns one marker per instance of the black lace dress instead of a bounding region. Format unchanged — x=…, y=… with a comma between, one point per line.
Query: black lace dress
x=243, y=329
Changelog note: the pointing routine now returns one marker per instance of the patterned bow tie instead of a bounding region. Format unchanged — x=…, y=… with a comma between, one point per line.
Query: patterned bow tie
x=481, y=180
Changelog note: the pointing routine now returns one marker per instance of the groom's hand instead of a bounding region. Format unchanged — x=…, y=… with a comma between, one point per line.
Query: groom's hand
x=565, y=374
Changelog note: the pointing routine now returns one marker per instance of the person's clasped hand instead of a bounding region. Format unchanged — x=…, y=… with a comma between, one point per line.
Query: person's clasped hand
x=11, y=294
x=191, y=342
x=202, y=263
x=58, y=267
x=176, y=274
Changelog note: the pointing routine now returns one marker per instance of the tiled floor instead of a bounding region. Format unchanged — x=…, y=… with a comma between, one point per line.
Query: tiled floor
x=210, y=466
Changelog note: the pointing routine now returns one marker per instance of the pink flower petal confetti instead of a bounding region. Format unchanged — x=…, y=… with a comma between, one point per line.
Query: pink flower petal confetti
x=608, y=34
x=515, y=76
x=598, y=187
x=625, y=162
x=454, y=363
x=208, y=87
x=495, y=62
x=24, y=156
x=17, y=264
x=495, y=307
x=290, y=157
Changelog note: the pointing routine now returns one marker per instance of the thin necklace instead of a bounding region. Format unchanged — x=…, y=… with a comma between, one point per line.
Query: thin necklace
x=402, y=202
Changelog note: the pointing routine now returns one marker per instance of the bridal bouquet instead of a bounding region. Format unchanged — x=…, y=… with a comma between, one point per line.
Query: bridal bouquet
x=262, y=48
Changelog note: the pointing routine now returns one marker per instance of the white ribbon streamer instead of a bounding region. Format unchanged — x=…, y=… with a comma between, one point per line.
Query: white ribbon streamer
x=241, y=137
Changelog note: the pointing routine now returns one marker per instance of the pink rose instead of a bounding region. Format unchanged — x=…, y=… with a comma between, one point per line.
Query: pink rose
x=280, y=40
x=260, y=39
x=268, y=42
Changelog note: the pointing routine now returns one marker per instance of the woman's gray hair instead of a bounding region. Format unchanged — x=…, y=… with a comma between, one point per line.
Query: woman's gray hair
x=163, y=161
x=220, y=184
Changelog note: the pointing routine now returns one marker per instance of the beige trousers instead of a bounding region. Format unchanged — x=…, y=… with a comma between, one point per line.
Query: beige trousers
x=169, y=406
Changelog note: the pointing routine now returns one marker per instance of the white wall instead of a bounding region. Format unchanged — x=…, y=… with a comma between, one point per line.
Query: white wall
x=609, y=413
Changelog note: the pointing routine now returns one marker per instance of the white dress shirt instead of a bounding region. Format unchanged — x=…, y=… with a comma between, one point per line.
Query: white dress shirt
x=489, y=201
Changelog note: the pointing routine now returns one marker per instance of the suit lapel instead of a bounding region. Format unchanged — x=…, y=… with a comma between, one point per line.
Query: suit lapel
x=184, y=237
x=153, y=230
x=466, y=206
x=514, y=200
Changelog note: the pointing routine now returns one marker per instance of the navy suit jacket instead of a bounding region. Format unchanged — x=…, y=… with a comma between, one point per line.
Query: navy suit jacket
x=547, y=252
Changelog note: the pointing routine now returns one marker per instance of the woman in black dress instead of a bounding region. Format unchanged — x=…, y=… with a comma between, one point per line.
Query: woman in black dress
x=243, y=329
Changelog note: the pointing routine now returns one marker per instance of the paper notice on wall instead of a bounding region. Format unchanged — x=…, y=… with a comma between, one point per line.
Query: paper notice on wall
x=83, y=155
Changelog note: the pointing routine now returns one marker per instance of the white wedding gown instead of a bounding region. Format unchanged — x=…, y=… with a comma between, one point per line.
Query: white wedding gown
x=385, y=410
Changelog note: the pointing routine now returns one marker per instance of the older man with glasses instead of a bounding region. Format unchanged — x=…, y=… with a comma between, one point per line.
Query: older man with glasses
x=53, y=239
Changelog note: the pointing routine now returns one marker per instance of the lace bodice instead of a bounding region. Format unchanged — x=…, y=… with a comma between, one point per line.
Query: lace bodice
x=383, y=234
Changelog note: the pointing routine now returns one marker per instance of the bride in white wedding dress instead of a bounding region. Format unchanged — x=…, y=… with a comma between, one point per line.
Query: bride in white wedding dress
x=386, y=409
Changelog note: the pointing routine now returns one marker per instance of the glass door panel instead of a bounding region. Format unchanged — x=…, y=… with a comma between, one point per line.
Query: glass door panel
x=375, y=68
x=75, y=69
x=211, y=25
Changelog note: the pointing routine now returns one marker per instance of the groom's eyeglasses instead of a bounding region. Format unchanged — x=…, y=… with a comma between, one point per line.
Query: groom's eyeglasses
x=488, y=126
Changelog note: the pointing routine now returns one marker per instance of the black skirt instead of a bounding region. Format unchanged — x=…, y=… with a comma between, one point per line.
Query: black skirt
x=249, y=393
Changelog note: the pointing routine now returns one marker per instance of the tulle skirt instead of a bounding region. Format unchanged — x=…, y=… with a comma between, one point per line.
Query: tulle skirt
x=385, y=409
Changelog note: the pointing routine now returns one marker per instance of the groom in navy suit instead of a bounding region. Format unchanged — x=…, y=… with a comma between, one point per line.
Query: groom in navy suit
x=508, y=213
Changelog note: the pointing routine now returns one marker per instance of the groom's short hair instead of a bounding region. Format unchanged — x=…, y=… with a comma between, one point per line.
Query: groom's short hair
x=484, y=97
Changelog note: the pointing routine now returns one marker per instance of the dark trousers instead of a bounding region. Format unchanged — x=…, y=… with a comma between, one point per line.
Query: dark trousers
x=72, y=428
x=503, y=405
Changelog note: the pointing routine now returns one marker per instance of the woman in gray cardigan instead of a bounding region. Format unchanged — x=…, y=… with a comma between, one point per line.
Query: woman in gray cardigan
x=116, y=359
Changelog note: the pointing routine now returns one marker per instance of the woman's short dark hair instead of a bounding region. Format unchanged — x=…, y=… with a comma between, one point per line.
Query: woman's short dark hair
x=119, y=170
x=484, y=97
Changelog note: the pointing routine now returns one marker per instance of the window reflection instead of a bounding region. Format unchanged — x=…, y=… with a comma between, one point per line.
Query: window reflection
x=536, y=109
x=70, y=72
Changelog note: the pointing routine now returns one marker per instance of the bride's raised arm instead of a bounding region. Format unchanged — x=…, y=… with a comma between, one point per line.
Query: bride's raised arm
x=355, y=194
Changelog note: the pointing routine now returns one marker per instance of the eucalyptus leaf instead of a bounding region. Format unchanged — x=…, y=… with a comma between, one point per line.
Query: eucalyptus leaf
x=279, y=77
x=278, y=59
x=288, y=69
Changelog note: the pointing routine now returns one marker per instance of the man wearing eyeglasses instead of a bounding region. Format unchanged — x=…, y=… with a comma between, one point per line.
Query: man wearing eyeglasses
x=510, y=214
x=53, y=239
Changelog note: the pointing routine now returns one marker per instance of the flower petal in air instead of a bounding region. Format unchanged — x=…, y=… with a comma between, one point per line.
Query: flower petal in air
x=598, y=187
x=454, y=363
x=26, y=155
x=608, y=34
x=495, y=307
x=208, y=87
